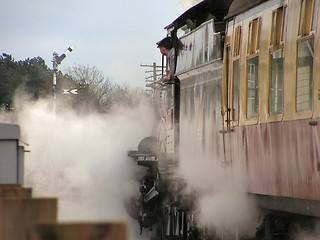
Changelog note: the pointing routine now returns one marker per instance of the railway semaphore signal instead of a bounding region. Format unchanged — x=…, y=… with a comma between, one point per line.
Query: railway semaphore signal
x=56, y=60
x=73, y=91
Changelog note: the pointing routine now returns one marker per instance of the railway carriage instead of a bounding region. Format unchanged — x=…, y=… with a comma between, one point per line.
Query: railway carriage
x=271, y=101
x=244, y=106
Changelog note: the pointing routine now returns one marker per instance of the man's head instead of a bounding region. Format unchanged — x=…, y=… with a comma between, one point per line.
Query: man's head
x=165, y=45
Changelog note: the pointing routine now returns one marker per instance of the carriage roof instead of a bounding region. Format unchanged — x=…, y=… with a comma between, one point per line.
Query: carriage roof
x=240, y=6
x=200, y=12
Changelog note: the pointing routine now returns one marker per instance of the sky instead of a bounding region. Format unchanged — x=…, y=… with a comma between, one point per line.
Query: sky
x=114, y=36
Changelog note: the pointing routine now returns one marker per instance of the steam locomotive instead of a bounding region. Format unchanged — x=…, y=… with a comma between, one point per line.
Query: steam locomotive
x=241, y=115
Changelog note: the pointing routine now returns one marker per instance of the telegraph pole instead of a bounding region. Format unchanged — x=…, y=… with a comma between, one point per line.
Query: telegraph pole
x=152, y=80
x=56, y=60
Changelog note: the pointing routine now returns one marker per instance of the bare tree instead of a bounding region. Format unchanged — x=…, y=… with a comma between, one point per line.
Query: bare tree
x=99, y=92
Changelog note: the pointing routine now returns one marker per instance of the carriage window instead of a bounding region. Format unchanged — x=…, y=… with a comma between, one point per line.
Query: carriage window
x=315, y=14
x=308, y=15
x=284, y=25
x=304, y=75
x=253, y=67
x=235, y=84
x=276, y=60
x=276, y=81
x=254, y=36
x=237, y=40
x=252, y=90
x=304, y=78
x=278, y=26
x=235, y=102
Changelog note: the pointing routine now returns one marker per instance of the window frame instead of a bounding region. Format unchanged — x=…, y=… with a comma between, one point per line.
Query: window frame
x=311, y=81
x=278, y=27
x=308, y=17
x=237, y=41
x=306, y=32
x=254, y=36
x=276, y=48
x=253, y=48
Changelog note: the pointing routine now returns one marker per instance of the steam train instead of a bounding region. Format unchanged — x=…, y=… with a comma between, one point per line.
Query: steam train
x=241, y=115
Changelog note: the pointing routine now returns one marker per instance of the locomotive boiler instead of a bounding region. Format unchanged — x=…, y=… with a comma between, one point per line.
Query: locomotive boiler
x=241, y=116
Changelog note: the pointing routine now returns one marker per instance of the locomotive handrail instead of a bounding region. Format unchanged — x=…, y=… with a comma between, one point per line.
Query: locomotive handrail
x=194, y=51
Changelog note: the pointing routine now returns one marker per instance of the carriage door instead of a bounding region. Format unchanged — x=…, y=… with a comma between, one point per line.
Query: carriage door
x=227, y=91
x=225, y=99
x=233, y=79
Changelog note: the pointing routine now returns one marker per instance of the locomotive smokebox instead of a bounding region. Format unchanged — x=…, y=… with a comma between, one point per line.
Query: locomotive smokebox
x=148, y=145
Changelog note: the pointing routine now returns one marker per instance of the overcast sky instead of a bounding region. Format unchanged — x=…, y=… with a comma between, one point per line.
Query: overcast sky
x=113, y=35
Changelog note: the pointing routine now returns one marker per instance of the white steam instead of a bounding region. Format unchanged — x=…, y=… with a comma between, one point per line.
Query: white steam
x=82, y=160
x=203, y=165
x=227, y=210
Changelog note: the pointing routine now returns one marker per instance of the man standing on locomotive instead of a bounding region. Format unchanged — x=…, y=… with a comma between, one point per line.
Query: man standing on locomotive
x=166, y=48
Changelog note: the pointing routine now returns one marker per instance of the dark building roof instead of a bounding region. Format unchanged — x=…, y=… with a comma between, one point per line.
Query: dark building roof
x=240, y=6
x=201, y=11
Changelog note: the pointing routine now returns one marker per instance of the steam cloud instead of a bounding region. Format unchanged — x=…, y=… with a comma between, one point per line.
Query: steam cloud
x=229, y=211
x=83, y=160
x=220, y=206
x=188, y=3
